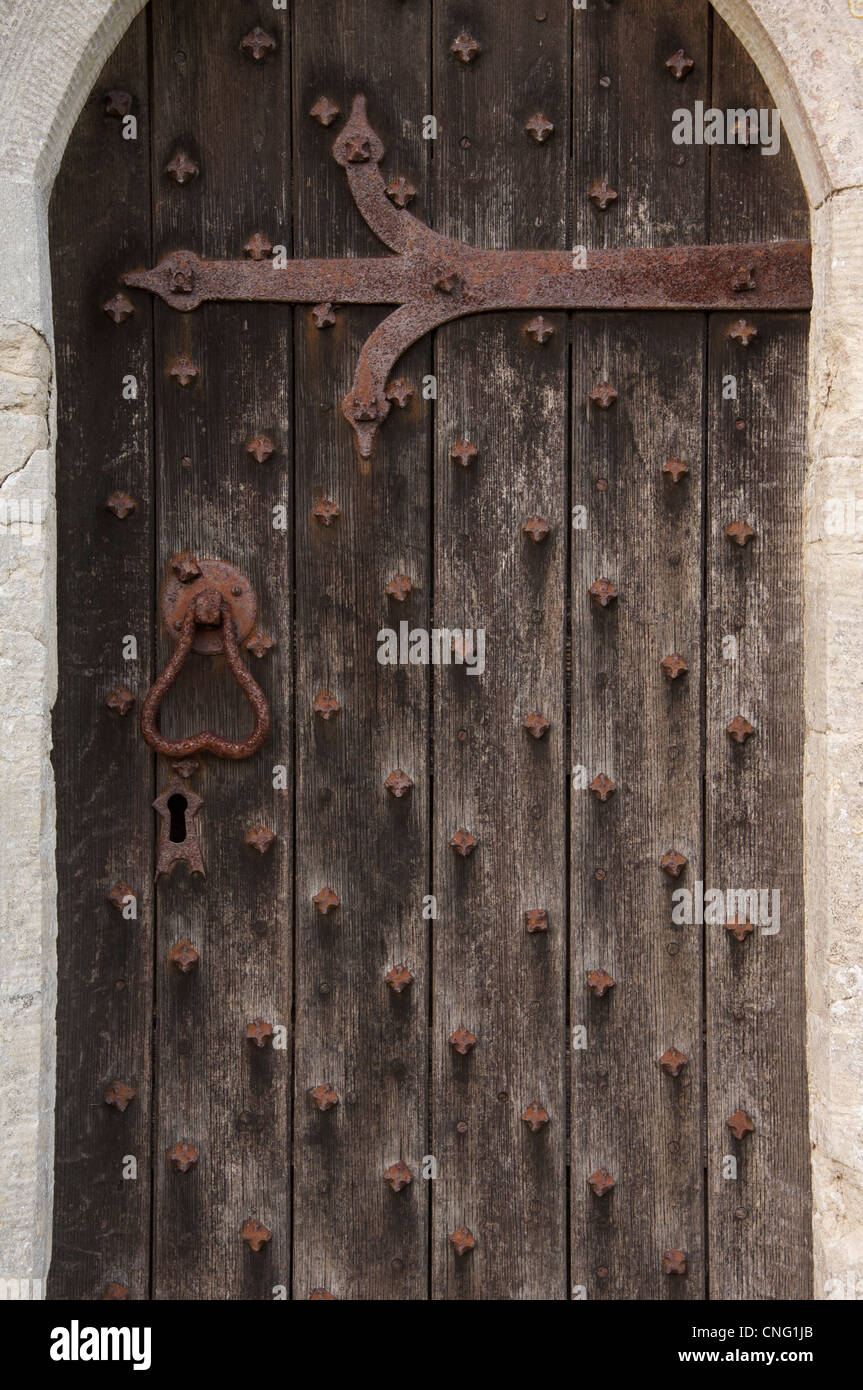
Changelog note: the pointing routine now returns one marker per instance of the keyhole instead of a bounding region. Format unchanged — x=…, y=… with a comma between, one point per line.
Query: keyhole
x=177, y=806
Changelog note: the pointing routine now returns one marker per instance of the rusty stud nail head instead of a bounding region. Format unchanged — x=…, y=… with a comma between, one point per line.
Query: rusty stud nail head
x=326, y=511
x=603, y=592
x=539, y=128
x=739, y=729
x=462, y=1241
x=601, y=1181
x=186, y=767
x=740, y=1124
x=399, y=588
x=674, y=1262
x=463, y=842
x=400, y=191
x=184, y=369
x=119, y=894
x=601, y=193
x=117, y=104
x=323, y=315
x=118, y=308
x=673, y=666
x=537, y=528
x=599, y=982
x=258, y=44
x=743, y=279
x=119, y=1095
x=260, y=837
x=603, y=395
x=540, y=329
x=399, y=978
x=321, y=1296
x=184, y=956
x=742, y=332
x=673, y=863
x=739, y=930
x=537, y=725
x=258, y=643
x=465, y=48
x=183, y=1155
x=673, y=1062
x=740, y=532
x=258, y=1031
x=679, y=64
x=121, y=504
x=120, y=700
x=675, y=469
x=536, y=920
x=326, y=901
x=261, y=448
x=115, y=1293
x=535, y=1116
x=324, y=1097
x=325, y=704
x=398, y=390
x=181, y=168
x=324, y=111
x=463, y=452
x=258, y=247
x=398, y=1175
x=446, y=282
x=602, y=787
x=462, y=1040
x=398, y=783
x=255, y=1234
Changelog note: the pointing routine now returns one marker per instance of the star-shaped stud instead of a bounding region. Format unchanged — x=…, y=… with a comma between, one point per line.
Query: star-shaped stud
x=465, y=48
x=255, y=1234
x=184, y=956
x=258, y=44
x=742, y=332
x=535, y=1116
x=323, y=316
x=258, y=643
x=601, y=1182
x=398, y=390
x=536, y=920
x=326, y=511
x=540, y=329
x=323, y=1097
x=119, y=1095
x=182, y=169
x=673, y=666
x=673, y=1062
x=462, y=1241
x=602, y=787
x=118, y=308
x=602, y=592
x=536, y=725
x=325, y=704
x=675, y=469
x=258, y=1032
x=740, y=1124
x=398, y=784
x=398, y=1175
x=740, y=532
x=324, y=111
x=260, y=837
x=184, y=370
x=121, y=504
x=463, y=842
x=121, y=700
x=537, y=528
x=462, y=1040
x=186, y=567
x=400, y=191
x=599, y=982
x=539, y=128
x=358, y=149
x=326, y=901
x=261, y=448
x=258, y=247
x=679, y=64
x=463, y=452
x=183, y=1155
x=739, y=729
x=117, y=104
x=603, y=395
x=739, y=930
x=119, y=895
x=673, y=863
x=674, y=1262
x=399, y=978
x=601, y=193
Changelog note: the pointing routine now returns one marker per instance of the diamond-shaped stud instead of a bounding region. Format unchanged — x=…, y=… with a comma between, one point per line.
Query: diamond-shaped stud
x=398, y=784
x=601, y=1182
x=603, y=395
x=599, y=982
x=400, y=588
x=258, y=247
x=674, y=1262
x=183, y=1156
x=537, y=528
x=398, y=1175
x=463, y=452
x=742, y=332
x=325, y=704
x=602, y=787
x=398, y=390
x=260, y=837
x=184, y=956
x=117, y=104
x=673, y=863
x=324, y=1097
x=739, y=930
x=463, y=842
x=601, y=193
x=740, y=1124
x=540, y=329
x=603, y=592
x=462, y=1040
x=679, y=64
x=400, y=191
x=536, y=920
x=118, y=308
x=119, y=1095
x=121, y=700
x=121, y=504
x=399, y=978
x=739, y=729
x=182, y=168
x=261, y=448
x=673, y=666
x=184, y=370
x=323, y=316
x=324, y=111
x=675, y=469
x=258, y=1032
x=465, y=48
x=255, y=1234
x=539, y=128
x=326, y=511
x=326, y=901
x=673, y=1062
x=740, y=532
x=258, y=44
x=535, y=1117
x=536, y=725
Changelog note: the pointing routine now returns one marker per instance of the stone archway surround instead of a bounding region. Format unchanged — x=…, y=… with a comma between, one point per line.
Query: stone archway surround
x=812, y=59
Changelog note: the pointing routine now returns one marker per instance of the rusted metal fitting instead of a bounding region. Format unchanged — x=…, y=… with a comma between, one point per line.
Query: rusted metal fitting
x=324, y=111
x=537, y=725
x=184, y=956
x=258, y=247
x=740, y=532
x=679, y=64
x=398, y=783
x=599, y=982
x=742, y=332
x=116, y=1293
x=178, y=797
x=257, y=44
x=398, y=1175
x=603, y=395
x=400, y=588
x=321, y=1296
x=258, y=1031
x=399, y=978
x=183, y=1155
x=324, y=1097
x=400, y=191
x=535, y=1116
x=323, y=315
x=260, y=837
x=673, y=1062
x=673, y=666
x=398, y=390
x=739, y=729
x=119, y=1095
x=465, y=48
x=182, y=169
x=325, y=704
x=121, y=700
x=539, y=128
x=739, y=930
x=673, y=863
x=326, y=511
x=675, y=469
x=120, y=894
x=182, y=274
x=463, y=452
x=118, y=308
x=602, y=1182
x=258, y=643
x=743, y=279
x=537, y=528
x=186, y=767
x=255, y=1233
x=121, y=504
x=740, y=1124
x=326, y=901
x=261, y=448
x=603, y=592
x=462, y=1040
x=536, y=920
x=184, y=370
x=117, y=104
x=462, y=1241
x=602, y=787
x=601, y=193
x=186, y=568
x=463, y=842
x=674, y=1262
x=446, y=281
x=540, y=330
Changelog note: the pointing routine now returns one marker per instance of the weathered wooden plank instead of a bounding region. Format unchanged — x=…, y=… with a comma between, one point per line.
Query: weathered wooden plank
x=100, y=218
x=506, y=393
x=231, y=115
x=353, y=1235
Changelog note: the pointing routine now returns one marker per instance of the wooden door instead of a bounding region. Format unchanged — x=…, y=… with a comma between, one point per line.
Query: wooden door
x=371, y=1058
